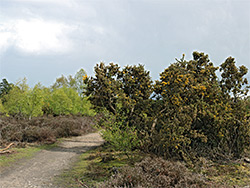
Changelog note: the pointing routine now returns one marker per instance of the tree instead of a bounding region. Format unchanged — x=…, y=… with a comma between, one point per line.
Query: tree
x=24, y=101
x=233, y=80
x=63, y=81
x=79, y=81
x=5, y=87
x=59, y=102
x=2, y=110
x=34, y=101
x=15, y=100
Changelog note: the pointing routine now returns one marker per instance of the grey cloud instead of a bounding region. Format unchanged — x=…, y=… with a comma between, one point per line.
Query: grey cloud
x=129, y=32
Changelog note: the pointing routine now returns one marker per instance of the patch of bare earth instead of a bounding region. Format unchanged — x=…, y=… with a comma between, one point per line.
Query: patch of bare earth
x=40, y=171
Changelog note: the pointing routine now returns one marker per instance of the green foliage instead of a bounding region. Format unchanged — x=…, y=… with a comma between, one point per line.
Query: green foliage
x=5, y=87
x=34, y=101
x=191, y=108
x=75, y=82
x=86, y=107
x=64, y=82
x=23, y=101
x=15, y=101
x=120, y=139
x=124, y=93
x=59, y=102
x=2, y=110
x=79, y=81
x=63, y=99
x=197, y=110
x=232, y=78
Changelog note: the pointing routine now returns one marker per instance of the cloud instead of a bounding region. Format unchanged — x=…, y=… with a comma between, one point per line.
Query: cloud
x=35, y=36
x=68, y=3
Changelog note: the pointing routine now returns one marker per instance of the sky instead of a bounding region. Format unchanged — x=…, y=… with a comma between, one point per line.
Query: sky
x=43, y=39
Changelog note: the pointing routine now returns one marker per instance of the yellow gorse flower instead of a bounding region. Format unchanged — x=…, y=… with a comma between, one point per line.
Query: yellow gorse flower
x=84, y=77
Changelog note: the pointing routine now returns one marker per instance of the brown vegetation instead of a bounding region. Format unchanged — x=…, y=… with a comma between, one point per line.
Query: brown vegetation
x=156, y=172
x=43, y=129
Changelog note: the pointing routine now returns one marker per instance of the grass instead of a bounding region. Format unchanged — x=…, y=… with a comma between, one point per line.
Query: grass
x=95, y=166
x=231, y=173
x=17, y=154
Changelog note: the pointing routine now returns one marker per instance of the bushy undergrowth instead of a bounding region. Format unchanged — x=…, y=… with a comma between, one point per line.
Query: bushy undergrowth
x=43, y=129
x=156, y=172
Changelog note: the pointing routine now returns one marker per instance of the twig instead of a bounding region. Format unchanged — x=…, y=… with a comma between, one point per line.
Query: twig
x=7, y=147
x=81, y=183
x=7, y=151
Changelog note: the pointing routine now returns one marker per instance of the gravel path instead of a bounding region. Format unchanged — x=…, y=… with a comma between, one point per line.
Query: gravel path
x=45, y=165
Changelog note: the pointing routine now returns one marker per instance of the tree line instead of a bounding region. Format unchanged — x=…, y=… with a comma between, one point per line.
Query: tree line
x=64, y=97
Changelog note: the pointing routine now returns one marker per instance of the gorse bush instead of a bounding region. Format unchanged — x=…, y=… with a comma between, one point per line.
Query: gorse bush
x=189, y=109
x=199, y=110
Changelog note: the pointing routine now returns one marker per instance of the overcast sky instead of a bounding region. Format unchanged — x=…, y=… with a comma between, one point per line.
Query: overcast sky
x=42, y=39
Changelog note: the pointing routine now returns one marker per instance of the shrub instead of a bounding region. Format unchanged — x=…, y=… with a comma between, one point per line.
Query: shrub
x=198, y=110
x=156, y=172
x=43, y=129
x=120, y=138
x=188, y=109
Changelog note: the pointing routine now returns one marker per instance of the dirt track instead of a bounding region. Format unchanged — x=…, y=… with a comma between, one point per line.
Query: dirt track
x=46, y=164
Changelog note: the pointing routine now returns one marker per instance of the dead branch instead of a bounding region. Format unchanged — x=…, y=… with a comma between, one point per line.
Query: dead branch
x=1, y=150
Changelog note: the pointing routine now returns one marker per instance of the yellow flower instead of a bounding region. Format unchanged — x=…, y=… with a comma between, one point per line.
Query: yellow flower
x=84, y=77
x=203, y=87
x=165, y=83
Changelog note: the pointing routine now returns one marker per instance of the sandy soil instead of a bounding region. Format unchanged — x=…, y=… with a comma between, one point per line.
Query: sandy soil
x=40, y=170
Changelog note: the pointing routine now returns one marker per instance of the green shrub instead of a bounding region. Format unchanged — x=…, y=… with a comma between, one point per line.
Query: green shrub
x=119, y=137
x=199, y=110
x=188, y=110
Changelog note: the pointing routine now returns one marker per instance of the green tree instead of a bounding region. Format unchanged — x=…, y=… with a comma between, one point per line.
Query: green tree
x=75, y=100
x=34, y=101
x=2, y=110
x=63, y=81
x=59, y=102
x=15, y=99
x=79, y=81
x=5, y=87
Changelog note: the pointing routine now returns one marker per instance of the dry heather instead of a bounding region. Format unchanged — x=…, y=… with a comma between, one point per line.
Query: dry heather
x=43, y=129
x=156, y=172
